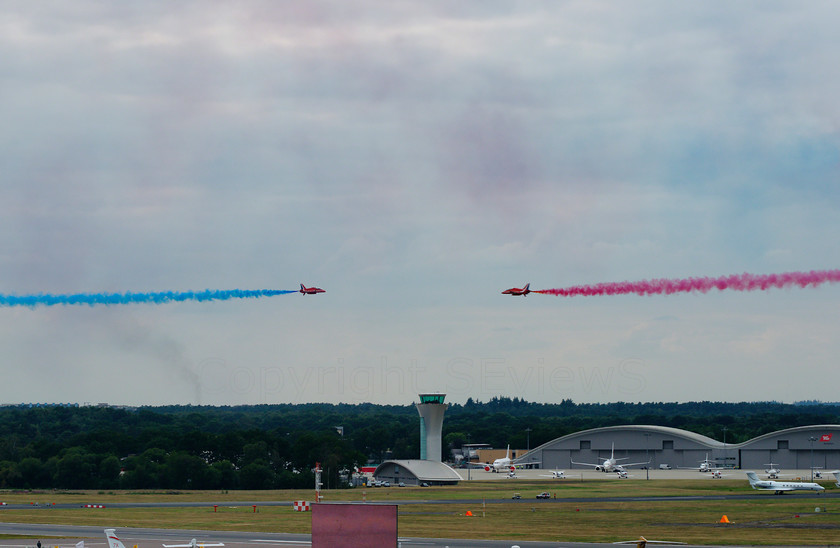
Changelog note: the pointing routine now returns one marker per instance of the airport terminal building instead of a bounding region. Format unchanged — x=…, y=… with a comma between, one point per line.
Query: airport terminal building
x=793, y=448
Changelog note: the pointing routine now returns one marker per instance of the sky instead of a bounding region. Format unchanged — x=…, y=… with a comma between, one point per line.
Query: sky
x=415, y=159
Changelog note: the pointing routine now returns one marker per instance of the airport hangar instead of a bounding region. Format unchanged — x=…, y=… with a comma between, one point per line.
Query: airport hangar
x=792, y=448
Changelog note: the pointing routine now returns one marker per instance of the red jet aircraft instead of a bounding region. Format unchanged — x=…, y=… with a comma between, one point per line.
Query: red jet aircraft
x=517, y=291
x=310, y=290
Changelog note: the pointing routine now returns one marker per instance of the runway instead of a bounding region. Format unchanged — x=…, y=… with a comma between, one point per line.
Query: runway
x=66, y=536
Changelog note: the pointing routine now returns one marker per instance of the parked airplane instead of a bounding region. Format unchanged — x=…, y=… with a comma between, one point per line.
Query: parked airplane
x=310, y=290
x=781, y=486
x=611, y=464
x=773, y=472
x=706, y=465
x=504, y=463
x=556, y=474
x=500, y=464
x=192, y=544
x=715, y=474
x=518, y=290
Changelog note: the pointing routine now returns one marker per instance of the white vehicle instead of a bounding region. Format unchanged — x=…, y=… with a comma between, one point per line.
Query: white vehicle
x=781, y=486
x=611, y=464
x=664, y=466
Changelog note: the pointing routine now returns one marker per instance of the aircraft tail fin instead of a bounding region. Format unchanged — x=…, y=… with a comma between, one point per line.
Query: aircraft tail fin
x=527, y=286
x=113, y=541
x=508, y=452
x=753, y=477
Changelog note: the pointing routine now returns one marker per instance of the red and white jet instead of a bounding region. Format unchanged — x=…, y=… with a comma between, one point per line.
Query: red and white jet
x=310, y=290
x=518, y=291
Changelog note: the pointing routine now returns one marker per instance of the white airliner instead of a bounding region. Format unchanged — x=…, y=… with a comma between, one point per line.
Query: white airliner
x=781, y=486
x=611, y=464
x=503, y=463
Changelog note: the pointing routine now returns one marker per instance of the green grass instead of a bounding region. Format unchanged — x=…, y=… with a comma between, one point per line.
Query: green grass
x=768, y=520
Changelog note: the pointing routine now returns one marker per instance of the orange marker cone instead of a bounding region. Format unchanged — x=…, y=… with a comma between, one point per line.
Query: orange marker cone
x=469, y=513
x=725, y=519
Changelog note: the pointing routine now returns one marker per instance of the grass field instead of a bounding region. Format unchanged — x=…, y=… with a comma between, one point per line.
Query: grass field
x=770, y=520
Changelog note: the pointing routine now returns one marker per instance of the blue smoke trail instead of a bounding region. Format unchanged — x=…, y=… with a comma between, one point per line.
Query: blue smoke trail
x=93, y=299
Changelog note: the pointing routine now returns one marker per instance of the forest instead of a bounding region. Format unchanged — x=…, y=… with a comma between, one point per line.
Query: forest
x=276, y=446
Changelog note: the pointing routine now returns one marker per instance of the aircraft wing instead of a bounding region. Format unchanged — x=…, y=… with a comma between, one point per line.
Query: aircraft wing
x=586, y=463
x=634, y=463
x=192, y=545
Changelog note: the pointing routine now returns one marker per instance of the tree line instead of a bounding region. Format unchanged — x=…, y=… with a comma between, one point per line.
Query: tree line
x=276, y=446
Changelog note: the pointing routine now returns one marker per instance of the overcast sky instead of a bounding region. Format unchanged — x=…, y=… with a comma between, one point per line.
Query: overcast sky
x=415, y=159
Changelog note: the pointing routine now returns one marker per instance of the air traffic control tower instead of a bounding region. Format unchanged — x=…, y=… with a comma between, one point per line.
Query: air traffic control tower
x=431, y=409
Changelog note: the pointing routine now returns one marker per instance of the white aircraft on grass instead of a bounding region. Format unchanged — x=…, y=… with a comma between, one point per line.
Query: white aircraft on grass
x=781, y=486
x=611, y=464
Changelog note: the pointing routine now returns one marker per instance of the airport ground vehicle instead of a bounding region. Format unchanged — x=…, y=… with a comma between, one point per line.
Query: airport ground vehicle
x=544, y=495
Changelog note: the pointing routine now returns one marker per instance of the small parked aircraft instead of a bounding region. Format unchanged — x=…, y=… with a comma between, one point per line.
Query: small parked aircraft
x=556, y=474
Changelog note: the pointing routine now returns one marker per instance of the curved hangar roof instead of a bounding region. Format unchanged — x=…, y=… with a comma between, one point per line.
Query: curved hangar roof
x=637, y=431
x=416, y=471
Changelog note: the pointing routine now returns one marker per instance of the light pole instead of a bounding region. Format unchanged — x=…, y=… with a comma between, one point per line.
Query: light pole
x=725, y=462
x=469, y=457
x=647, y=456
x=812, y=439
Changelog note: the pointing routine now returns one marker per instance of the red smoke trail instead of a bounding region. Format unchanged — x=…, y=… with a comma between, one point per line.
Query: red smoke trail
x=736, y=282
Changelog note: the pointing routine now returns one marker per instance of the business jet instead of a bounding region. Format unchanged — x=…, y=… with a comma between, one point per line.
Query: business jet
x=781, y=486
x=192, y=544
x=518, y=290
x=611, y=464
x=705, y=466
x=773, y=472
x=556, y=474
x=836, y=474
x=310, y=290
x=715, y=474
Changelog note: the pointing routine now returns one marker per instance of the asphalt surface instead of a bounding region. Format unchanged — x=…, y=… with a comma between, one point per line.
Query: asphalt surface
x=66, y=536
